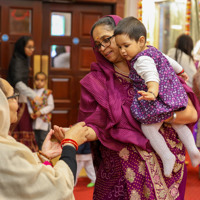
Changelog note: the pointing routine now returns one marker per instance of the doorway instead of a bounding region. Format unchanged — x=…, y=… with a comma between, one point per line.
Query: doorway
x=56, y=28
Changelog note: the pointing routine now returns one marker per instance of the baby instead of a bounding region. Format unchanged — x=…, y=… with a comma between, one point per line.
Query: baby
x=158, y=91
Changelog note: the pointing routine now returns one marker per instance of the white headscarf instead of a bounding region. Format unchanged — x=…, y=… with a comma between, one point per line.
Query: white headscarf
x=4, y=115
x=22, y=176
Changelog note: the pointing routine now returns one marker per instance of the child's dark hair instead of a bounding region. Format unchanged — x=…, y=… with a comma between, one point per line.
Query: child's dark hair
x=109, y=21
x=132, y=27
x=40, y=73
x=184, y=43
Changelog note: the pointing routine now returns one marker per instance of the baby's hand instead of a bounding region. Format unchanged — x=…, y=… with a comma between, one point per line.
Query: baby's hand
x=146, y=96
x=184, y=76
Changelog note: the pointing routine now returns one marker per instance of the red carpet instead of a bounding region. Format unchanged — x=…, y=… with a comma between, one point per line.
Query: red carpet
x=193, y=182
x=81, y=192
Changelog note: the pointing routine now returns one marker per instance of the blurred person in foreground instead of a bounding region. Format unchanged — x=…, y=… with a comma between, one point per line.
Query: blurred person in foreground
x=30, y=175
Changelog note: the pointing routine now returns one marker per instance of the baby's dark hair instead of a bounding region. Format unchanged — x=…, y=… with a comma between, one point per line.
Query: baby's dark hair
x=40, y=73
x=132, y=27
x=109, y=21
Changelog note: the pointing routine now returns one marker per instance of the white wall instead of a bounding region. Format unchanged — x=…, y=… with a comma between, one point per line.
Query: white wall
x=130, y=8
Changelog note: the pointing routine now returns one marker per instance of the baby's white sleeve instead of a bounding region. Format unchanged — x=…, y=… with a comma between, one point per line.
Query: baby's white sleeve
x=175, y=65
x=146, y=68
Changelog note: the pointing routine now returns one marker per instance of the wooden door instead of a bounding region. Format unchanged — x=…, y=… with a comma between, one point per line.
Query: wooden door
x=41, y=20
x=18, y=18
x=74, y=37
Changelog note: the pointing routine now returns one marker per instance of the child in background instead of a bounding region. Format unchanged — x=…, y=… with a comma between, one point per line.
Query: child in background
x=157, y=90
x=41, y=114
x=84, y=159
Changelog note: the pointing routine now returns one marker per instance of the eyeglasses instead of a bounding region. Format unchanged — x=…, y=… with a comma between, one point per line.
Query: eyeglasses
x=15, y=96
x=30, y=48
x=105, y=43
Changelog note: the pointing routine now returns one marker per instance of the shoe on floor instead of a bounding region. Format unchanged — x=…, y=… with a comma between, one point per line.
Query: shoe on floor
x=90, y=185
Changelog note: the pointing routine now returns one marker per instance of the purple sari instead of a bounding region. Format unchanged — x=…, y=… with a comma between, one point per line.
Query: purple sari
x=127, y=167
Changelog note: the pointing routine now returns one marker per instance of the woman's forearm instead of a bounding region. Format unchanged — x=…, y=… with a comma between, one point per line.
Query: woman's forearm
x=69, y=157
x=25, y=90
x=92, y=136
x=187, y=116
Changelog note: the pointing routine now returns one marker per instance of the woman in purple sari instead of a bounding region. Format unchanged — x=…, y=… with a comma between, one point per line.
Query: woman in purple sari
x=126, y=165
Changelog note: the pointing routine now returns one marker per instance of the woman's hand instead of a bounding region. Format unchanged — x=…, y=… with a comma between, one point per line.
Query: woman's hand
x=58, y=133
x=33, y=116
x=187, y=116
x=51, y=148
x=77, y=132
x=92, y=136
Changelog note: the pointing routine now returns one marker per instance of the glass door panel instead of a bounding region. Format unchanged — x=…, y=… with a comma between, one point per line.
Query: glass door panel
x=60, y=56
x=20, y=21
x=60, y=24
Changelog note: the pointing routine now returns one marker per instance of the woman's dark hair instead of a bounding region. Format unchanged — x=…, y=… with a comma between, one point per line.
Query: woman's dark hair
x=20, y=44
x=59, y=50
x=132, y=27
x=109, y=21
x=185, y=44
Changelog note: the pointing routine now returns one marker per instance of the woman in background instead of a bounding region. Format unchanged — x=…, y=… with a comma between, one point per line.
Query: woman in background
x=18, y=75
x=182, y=53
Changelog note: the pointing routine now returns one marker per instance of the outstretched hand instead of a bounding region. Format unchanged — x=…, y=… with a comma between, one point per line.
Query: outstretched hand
x=51, y=148
x=146, y=96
